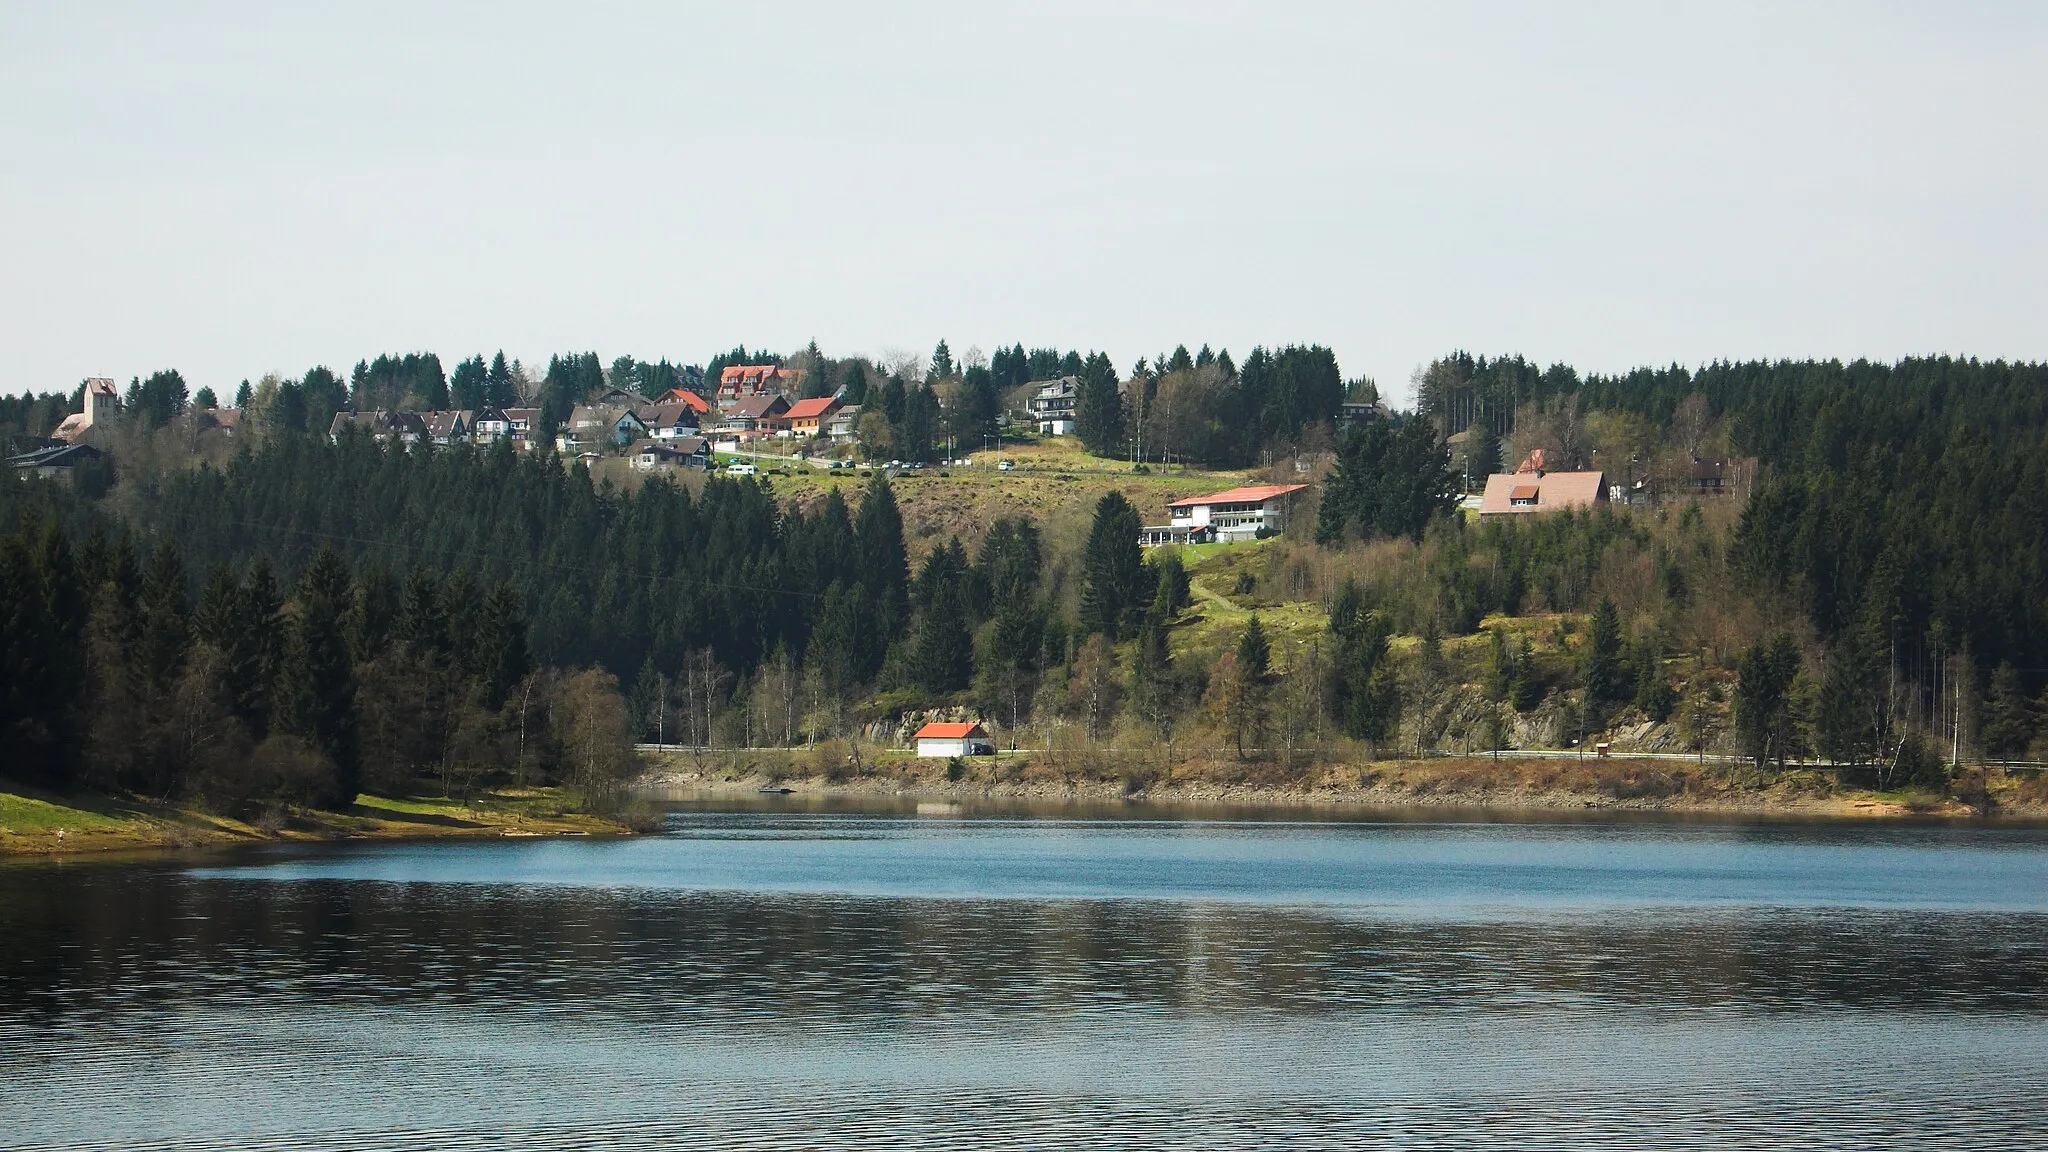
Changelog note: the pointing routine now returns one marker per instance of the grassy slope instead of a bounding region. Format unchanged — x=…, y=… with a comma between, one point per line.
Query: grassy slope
x=31, y=822
x=1054, y=483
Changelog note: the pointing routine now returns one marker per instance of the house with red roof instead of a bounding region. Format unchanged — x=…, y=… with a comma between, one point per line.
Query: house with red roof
x=808, y=417
x=945, y=740
x=697, y=403
x=1252, y=512
x=738, y=380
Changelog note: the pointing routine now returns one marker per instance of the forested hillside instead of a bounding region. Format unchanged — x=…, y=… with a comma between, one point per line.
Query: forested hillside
x=1873, y=589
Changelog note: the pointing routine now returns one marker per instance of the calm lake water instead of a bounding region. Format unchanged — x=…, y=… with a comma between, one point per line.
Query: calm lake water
x=789, y=978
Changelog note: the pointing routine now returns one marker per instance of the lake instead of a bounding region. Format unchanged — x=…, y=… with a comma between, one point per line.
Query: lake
x=774, y=975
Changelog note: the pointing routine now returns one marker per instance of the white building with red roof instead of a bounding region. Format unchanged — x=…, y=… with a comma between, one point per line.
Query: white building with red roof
x=1248, y=513
x=953, y=740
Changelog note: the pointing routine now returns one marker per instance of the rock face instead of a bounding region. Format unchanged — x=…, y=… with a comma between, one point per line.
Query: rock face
x=898, y=734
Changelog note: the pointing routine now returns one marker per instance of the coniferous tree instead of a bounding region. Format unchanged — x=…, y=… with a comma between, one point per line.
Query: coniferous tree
x=944, y=651
x=502, y=654
x=42, y=664
x=2005, y=729
x=1605, y=679
x=323, y=394
x=1653, y=691
x=1849, y=723
x=1388, y=482
x=1099, y=410
x=853, y=384
x=974, y=417
x=880, y=562
x=498, y=389
x=1113, y=589
x=315, y=693
x=1364, y=693
x=1763, y=706
x=915, y=437
x=469, y=384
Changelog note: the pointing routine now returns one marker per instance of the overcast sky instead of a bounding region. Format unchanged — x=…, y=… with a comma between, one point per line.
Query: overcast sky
x=235, y=189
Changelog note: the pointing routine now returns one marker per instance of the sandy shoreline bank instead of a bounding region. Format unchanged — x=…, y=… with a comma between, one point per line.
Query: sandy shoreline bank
x=1527, y=786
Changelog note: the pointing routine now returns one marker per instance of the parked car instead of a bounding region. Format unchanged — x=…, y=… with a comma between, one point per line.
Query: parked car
x=1006, y=466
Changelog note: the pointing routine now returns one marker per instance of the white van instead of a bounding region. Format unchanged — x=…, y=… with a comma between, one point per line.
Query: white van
x=740, y=469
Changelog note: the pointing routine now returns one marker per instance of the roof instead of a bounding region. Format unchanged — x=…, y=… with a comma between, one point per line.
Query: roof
x=812, y=408
x=64, y=456
x=672, y=413
x=1552, y=491
x=949, y=731
x=685, y=396
x=1251, y=494
x=72, y=425
x=447, y=422
x=757, y=407
x=522, y=415
x=101, y=385
x=1064, y=386
x=591, y=416
x=688, y=445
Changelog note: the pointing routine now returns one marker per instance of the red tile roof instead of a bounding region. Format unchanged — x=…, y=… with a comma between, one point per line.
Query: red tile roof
x=1253, y=494
x=949, y=731
x=810, y=409
x=685, y=396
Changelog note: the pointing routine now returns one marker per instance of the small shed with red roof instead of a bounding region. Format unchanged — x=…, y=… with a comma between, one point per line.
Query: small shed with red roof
x=953, y=740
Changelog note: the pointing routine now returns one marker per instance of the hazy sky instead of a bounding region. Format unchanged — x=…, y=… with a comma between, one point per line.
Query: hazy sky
x=234, y=189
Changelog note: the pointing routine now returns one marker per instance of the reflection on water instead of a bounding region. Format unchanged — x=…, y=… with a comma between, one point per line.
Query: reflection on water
x=844, y=980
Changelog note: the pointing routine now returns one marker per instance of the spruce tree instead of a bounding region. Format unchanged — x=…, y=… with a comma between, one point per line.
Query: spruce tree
x=1654, y=694
x=2004, y=729
x=1605, y=681
x=944, y=652
x=974, y=416
x=1363, y=692
x=880, y=561
x=1099, y=411
x=315, y=681
x=853, y=384
x=498, y=390
x=1113, y=588
x=504, y=658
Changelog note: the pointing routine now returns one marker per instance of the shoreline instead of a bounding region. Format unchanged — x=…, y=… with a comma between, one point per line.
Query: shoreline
x=44, y=825
x=1562, y=787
